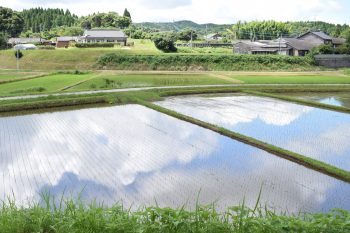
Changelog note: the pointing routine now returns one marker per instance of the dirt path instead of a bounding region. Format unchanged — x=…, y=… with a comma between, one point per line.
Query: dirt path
x=226, y=78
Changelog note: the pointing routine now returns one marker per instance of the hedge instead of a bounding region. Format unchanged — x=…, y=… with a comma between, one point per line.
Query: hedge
x=207, y=61
x=94, y=45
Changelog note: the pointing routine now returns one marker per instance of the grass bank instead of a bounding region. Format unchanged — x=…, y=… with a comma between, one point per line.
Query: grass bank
x=78, y=217
x=291, y=156
x=204, y=62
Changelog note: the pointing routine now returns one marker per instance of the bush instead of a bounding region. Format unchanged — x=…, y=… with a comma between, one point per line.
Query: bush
x=46, y=47
x=326, y=49
x=343, y=49
x=94, y=45
x=165, y=44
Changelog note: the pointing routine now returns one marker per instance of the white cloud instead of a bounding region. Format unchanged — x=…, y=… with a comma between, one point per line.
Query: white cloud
x=219, y=11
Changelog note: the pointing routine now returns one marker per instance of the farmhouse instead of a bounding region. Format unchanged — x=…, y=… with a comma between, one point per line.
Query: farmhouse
x=104, y=36
x=298, y=46
x=261, y=47
x=213, y=37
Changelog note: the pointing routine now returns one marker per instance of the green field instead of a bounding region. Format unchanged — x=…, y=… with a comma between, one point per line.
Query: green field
x=50, y=83
x=110, y=81
x=100, y=80
x=301, y=79
x=13, y=75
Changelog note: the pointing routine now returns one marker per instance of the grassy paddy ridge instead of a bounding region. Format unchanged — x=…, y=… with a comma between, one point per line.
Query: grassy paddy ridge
x=74, y=216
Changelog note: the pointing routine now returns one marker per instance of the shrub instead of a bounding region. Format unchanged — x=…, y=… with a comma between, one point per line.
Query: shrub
x=326, y=49
x=165, y=44
x=18, y=54
x=343, y=49
x=46, y=47
x=94, y=45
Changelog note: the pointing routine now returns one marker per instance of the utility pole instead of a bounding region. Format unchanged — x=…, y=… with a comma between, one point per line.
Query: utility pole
x=280, y=38
x=17, y=58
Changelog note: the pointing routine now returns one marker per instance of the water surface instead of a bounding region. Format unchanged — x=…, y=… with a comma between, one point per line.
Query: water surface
x=318, y=133
x=333, y=98
x=138, y=156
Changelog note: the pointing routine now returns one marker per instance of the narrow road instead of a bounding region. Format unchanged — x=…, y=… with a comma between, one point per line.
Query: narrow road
x=160, y=88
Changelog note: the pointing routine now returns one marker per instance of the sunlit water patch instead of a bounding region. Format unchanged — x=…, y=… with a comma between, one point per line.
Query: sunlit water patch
x=320, y=134
x=137, y=156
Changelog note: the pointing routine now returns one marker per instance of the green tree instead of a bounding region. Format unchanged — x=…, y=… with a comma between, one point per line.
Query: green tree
x=127, y=13
x=165, y=43
x=3, y=40
x=123, y=22
x=11, y=22
x=187, y=34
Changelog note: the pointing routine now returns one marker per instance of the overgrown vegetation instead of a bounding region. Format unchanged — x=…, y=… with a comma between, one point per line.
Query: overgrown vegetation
x=204, y=62
x=94, y=45
x=74, y=216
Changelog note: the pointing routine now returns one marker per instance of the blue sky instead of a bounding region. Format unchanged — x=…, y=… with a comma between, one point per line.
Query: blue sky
x=204, y=11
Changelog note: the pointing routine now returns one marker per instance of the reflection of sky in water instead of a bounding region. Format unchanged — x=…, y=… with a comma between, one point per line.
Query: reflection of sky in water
x=140, y=156
x=321, y=134
x=332, y=98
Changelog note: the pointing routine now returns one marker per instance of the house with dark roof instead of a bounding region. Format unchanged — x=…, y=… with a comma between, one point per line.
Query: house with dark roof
x=261, y=47
x=298, y=46
x=319, y=38
x=104, y=36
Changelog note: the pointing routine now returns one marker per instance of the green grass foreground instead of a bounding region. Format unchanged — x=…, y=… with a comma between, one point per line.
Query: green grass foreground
x=76, y=217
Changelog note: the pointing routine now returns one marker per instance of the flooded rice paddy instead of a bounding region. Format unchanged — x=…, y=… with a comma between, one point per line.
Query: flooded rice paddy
x=141, y=157
x=317, y=133
x=333, y=98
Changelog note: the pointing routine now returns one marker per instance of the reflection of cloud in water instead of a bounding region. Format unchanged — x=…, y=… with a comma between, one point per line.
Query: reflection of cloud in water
x=134, y=154
x=244, y=109
x=317, y=133
x=332, y=144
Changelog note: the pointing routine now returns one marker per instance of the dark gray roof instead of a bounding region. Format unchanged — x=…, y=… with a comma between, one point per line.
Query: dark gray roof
x=320, y=34
x=299, y=44
x=99, y=33
x=338, y=41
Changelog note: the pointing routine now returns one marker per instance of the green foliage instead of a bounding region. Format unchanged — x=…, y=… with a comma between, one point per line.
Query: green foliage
x=187, y=34
x=259, y=30
x=75, y=216
x=206, y=61
x=18, y=54
x=11, y=22
x=343, y=49
x=94, y=45
x=40, y=20
x=127, y=13
x=3, y=40
x=165, y=43
x=105, y=20
x=335, y=30
x=46, y=47
x=326, y=49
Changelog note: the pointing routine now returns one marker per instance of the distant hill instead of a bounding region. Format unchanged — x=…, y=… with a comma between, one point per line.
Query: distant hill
x=180, y=25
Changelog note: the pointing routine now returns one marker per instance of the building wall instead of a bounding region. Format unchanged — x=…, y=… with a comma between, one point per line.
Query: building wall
x=62, y=44
x=241, y=48
x=105, y=40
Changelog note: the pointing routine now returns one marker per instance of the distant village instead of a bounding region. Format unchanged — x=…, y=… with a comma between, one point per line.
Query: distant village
x=296, y=46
